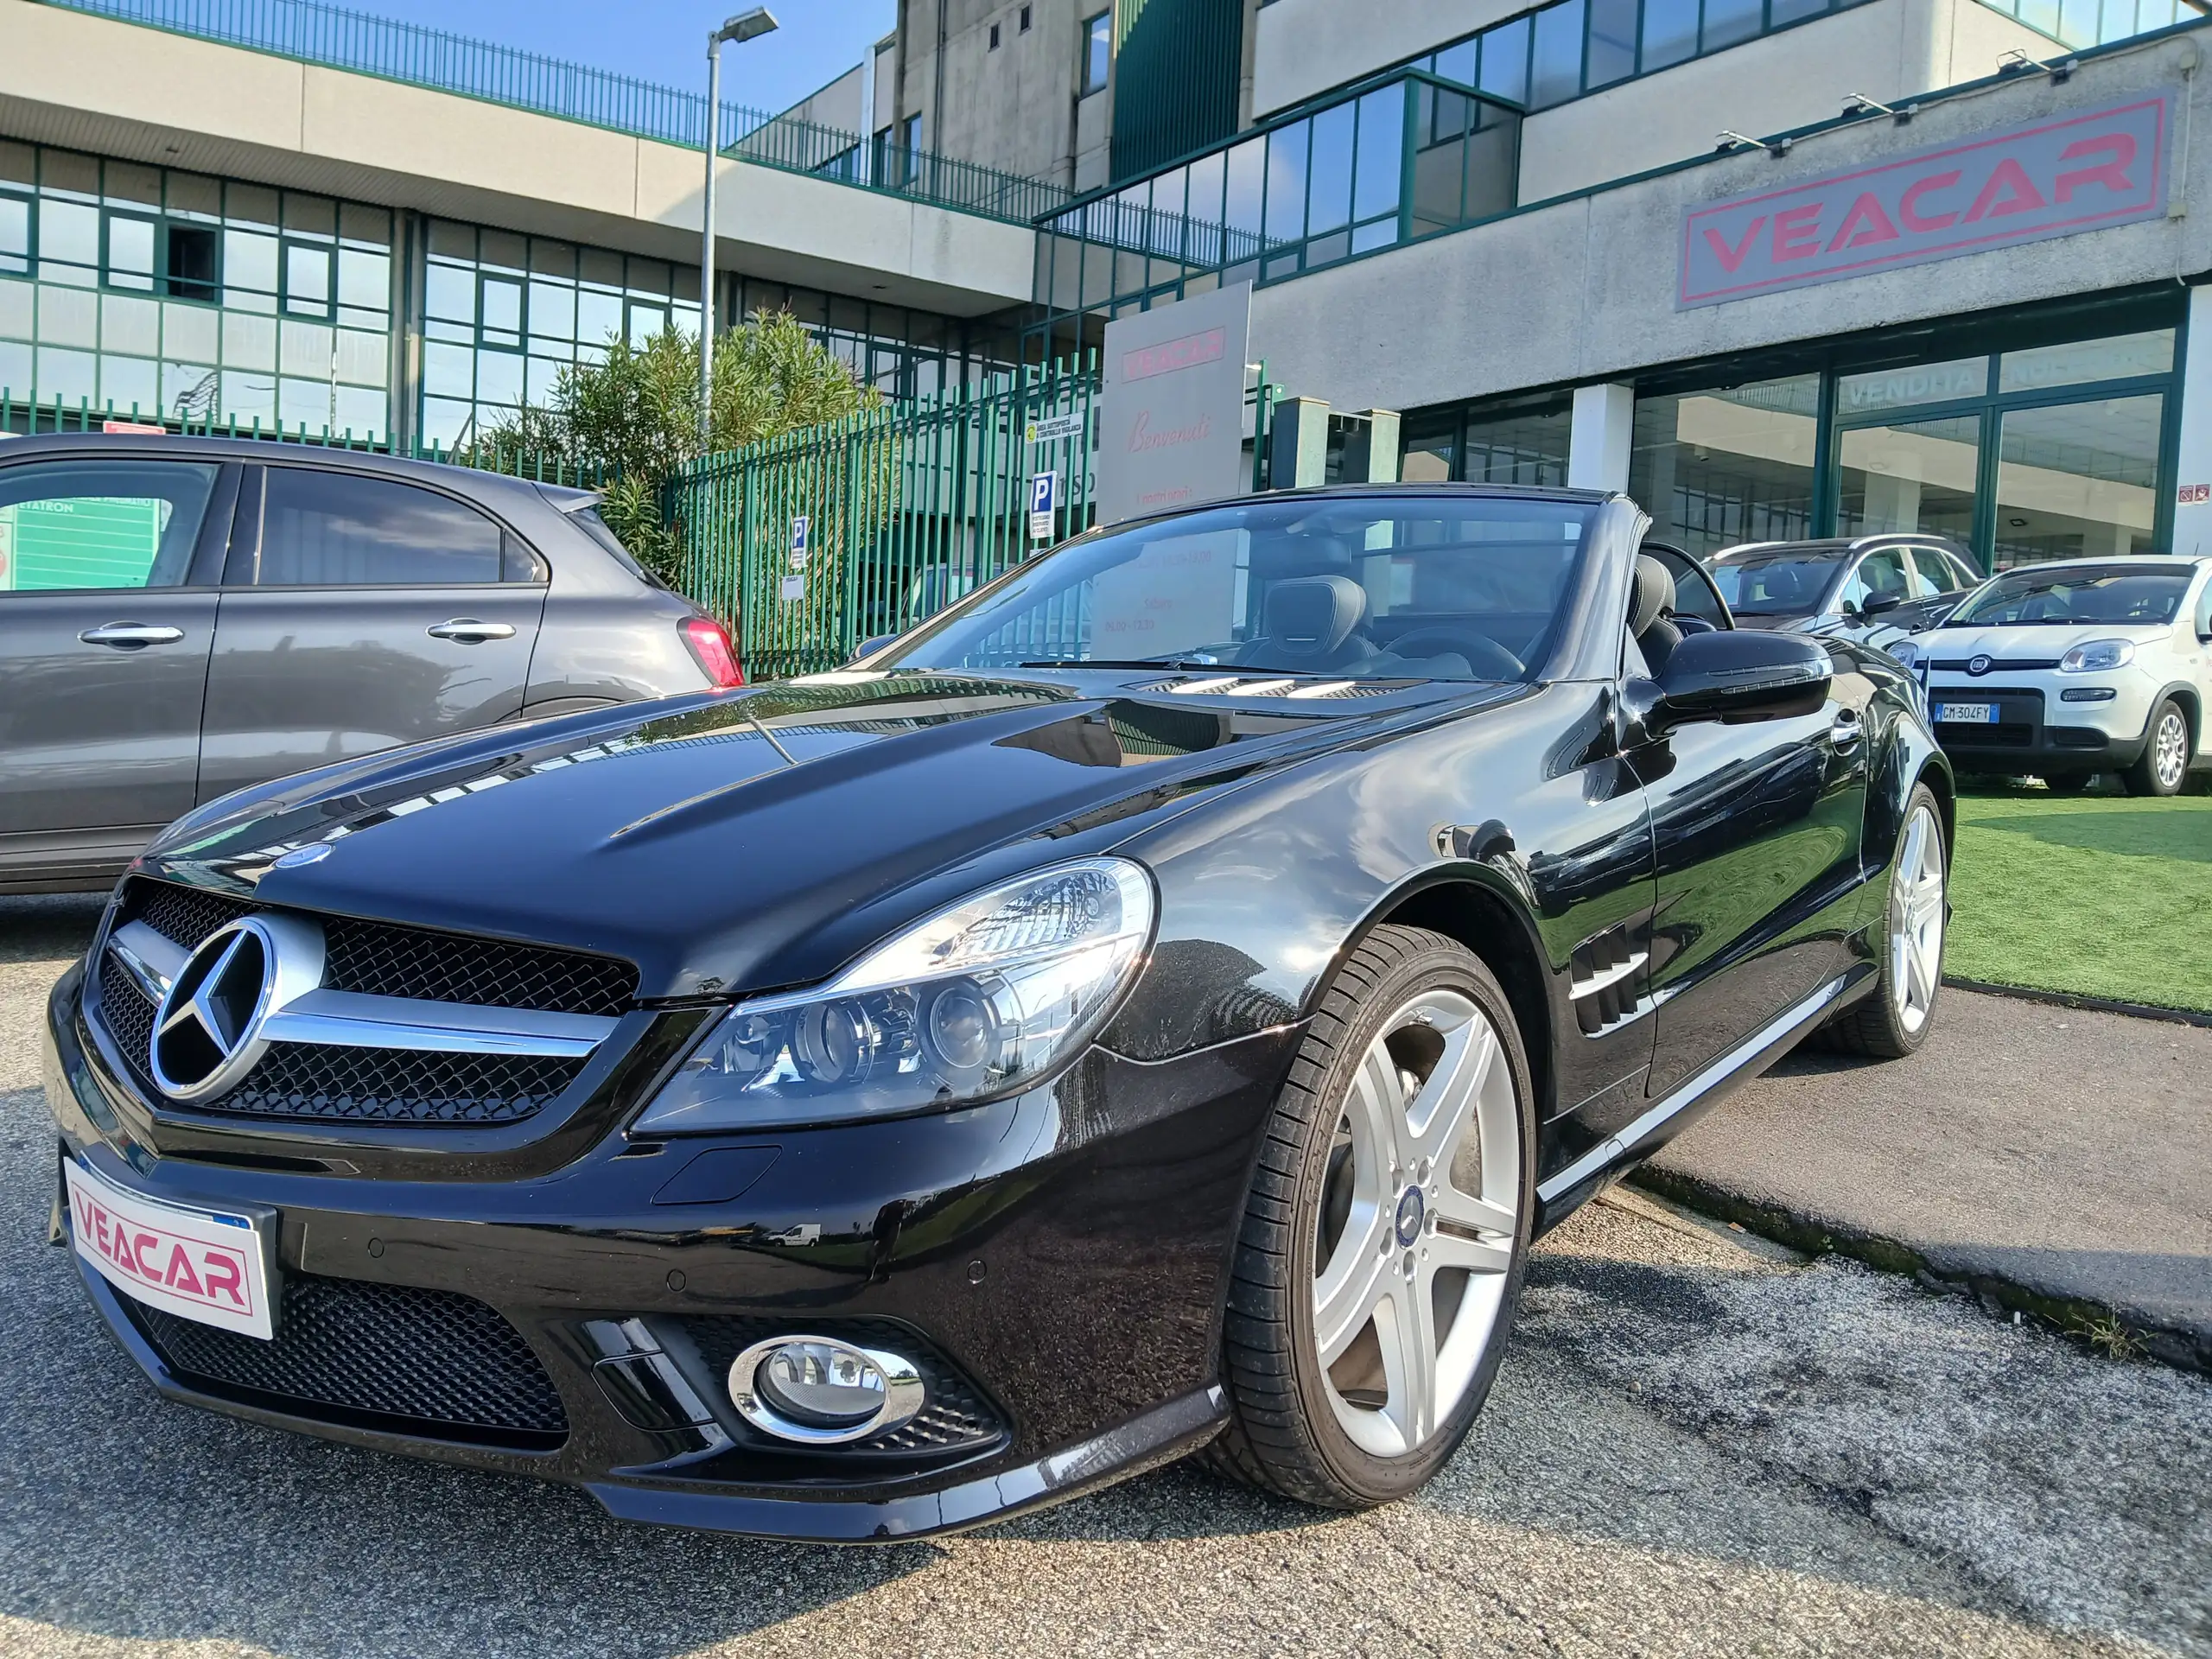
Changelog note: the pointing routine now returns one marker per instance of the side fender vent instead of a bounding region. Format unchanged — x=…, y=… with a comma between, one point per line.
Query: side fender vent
x=1606, y=982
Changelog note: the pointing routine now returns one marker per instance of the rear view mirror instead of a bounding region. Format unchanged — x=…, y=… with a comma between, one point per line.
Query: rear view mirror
x=1875, y=604
x=1736, y=676
x=869, y=647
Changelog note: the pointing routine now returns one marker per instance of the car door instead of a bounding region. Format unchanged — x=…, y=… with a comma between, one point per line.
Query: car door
x=1756, y=831
x=363, y=612
x=107, y=614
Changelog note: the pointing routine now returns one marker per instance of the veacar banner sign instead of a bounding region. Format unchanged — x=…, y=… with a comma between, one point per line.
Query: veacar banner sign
x=1171, y=409
x=2053, y=177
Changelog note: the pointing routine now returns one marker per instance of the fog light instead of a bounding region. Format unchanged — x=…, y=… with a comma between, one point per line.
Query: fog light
x=2088, y=694
x=820, y=1391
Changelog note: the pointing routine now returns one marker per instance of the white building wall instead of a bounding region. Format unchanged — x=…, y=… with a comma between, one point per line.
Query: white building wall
x=1458, y=316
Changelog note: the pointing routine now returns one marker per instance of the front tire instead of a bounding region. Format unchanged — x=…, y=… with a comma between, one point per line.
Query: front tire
x=2162, y=768
x=1895, y=1020
x=1380, y=1259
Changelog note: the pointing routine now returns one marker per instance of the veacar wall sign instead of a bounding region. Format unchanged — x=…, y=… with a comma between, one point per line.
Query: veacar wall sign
x=2024, y=184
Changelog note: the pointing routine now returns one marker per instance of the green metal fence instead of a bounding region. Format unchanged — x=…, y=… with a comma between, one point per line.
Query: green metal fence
x=811, y=544
x=308, y=31
x=21, y=417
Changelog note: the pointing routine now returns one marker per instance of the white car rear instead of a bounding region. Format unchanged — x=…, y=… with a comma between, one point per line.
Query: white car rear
x=2075, y=667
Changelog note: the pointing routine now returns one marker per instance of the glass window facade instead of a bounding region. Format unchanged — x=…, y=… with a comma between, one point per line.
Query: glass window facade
x=1407, y=159
x=152, y=292
x=1734, y=464
x=2095, y=22
x=2050, y=449
x=1573, y=47
x=503, y=314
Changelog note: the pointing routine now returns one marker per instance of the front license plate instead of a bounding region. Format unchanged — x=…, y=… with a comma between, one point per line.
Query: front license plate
x=1966, y=713
x=197, y=1264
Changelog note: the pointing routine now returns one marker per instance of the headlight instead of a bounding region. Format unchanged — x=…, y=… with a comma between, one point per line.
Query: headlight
x=1906, y=652
x=2096, y=656
x=979, y=1001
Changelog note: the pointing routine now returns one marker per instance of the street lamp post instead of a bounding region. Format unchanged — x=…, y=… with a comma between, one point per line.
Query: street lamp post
x=743, y=26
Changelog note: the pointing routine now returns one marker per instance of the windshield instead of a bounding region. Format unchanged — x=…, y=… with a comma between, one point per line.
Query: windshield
x=1785, y=582
x=2096, y=593
x=1445, y=587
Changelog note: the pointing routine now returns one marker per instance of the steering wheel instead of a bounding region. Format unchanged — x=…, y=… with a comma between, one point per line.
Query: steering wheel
x=1483, y=654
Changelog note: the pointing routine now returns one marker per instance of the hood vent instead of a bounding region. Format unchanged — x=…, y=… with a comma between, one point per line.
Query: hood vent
x=1275, y=685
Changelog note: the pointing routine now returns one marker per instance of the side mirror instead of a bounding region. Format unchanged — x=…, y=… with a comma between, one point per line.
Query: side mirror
x=1737, y=677
x=1875, y=604
x=869, y=647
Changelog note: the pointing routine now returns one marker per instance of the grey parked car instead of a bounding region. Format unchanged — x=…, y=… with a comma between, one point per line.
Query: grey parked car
x=180, y=617
x=1872, y=589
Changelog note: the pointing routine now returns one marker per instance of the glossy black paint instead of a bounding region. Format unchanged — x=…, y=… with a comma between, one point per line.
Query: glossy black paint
x=1066, y=1248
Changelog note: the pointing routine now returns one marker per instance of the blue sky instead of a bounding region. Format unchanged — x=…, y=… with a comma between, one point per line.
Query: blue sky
x=666, y=40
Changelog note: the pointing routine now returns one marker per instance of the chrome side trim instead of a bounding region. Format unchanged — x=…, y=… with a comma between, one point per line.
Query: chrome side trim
x=1767, y=1037
x=1612, y=976
x=353, y=1020
x=153, y=960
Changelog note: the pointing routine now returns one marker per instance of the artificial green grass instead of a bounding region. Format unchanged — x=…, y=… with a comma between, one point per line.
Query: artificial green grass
x=2098, y=895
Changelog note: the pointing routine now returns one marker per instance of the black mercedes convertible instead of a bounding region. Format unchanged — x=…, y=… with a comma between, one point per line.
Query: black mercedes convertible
x=1150, y=1007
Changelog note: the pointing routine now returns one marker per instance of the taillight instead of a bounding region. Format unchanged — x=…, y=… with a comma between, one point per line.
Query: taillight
x=708, y=642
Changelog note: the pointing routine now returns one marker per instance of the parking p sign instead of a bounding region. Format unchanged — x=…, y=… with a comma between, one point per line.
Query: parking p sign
x=1044, y=502
x=798, y=541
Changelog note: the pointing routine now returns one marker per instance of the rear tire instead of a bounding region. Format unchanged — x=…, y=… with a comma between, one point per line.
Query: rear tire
x=2162, y=768
x=1895, y=1018
x=1380, y=1259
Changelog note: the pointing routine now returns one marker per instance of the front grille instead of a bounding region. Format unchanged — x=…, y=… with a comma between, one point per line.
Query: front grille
x=954, y=1417
x=384, y=959
x=360, y=1085
x=393, y=1085
x=430, y=1362
x=382, y=1085
x=130, y=1016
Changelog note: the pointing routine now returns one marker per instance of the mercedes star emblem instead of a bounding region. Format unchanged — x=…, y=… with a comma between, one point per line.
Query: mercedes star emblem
x=207, y=1030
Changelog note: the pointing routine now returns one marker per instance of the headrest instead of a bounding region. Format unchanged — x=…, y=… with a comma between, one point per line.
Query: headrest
x=1654, y=592
x=1313, y=616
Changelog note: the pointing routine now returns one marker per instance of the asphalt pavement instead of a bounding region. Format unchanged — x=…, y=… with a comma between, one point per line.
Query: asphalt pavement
x=2055, y=1158
x=1699, y=1443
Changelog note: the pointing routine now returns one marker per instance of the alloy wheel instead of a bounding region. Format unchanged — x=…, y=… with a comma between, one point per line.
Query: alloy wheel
x=1416, y=1225
x=2170, y=752
x=1916, y=920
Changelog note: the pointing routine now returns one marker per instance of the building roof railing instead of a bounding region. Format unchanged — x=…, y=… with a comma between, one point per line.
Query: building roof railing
x=336, y=37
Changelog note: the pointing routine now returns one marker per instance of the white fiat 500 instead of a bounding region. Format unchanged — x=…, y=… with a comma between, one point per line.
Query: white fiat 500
x=2075, y=668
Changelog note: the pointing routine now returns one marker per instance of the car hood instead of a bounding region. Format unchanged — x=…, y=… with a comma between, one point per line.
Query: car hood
x=738, y=841
x=2043, y=643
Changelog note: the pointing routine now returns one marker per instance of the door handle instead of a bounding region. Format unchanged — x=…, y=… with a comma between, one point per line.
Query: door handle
x=467, y=631
x=1844, y=731
x=131, y=636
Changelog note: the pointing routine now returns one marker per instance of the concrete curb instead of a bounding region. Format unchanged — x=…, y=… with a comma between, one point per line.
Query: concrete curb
x=2118, y=1332
x=2087, y=1004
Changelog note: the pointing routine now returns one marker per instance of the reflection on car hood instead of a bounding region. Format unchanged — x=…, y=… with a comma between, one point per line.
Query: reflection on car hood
x=726, y=841
x=2038, y=644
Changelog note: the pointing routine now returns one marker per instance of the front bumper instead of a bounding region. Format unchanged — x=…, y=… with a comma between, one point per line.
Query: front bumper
x=2035, y=724
x=1057, y=1262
